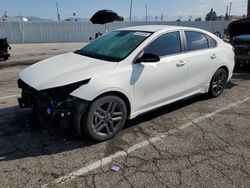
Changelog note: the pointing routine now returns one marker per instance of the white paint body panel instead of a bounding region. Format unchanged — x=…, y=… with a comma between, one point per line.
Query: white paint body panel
x=63, y=69
x=146, y=85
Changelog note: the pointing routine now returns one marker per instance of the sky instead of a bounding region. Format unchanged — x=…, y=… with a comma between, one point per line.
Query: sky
x=170, y=9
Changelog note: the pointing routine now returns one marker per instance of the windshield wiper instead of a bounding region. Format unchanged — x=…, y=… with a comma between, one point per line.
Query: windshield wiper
x=96, y=56
x=78, y=52
x=85, y=54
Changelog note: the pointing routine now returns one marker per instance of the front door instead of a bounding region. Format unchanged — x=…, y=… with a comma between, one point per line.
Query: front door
x=156, y=83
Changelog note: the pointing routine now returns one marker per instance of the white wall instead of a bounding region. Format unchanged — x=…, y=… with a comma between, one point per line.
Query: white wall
x=48, y=32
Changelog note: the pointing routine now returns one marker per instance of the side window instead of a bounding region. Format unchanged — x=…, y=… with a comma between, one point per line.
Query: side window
x=196, y=41
x=166, y=44
x=212, y=42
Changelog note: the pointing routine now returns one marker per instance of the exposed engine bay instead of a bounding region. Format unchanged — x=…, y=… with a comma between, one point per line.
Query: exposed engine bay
x=53, y=103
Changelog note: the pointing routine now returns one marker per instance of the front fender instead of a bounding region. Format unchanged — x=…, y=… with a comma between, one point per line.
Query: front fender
x=120, y=82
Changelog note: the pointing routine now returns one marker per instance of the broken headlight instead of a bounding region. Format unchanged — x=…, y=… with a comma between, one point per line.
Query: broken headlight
x=60, y=94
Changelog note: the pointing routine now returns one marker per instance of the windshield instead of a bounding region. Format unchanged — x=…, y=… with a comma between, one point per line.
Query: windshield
x=243, y=37
x=114, y=46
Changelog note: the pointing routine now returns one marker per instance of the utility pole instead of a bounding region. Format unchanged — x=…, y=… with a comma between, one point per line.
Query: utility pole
x=180, y=16
x=130, y=15
x=227, y=10
x=190, y=18
x=162, y=17
x=248, y=9
x=230, y=8
x=58, y=15
x=146, y=12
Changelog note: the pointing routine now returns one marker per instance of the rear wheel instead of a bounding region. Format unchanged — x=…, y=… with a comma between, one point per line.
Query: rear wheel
x=218, y=83
x=105, y=117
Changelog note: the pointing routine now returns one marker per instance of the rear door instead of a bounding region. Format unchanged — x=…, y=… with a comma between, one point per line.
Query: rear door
x=201, y=57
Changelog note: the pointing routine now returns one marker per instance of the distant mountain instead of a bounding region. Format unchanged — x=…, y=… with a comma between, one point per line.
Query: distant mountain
x=74, y=18
x=33, y=18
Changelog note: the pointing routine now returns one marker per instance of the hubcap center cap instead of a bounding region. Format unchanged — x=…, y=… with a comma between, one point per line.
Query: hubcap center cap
x=107, y=117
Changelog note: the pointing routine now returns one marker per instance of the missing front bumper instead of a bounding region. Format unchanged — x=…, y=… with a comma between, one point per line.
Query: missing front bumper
x=44, y=105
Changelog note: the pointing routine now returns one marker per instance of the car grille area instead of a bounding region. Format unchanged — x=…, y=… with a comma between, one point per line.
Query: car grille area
x=242, y=53
x=42, y=103
x=28, y=96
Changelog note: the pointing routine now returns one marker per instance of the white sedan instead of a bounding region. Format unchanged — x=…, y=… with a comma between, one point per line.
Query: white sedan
x=125, y=73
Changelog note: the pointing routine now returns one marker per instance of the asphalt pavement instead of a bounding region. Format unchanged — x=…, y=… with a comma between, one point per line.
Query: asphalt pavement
x=197, y=142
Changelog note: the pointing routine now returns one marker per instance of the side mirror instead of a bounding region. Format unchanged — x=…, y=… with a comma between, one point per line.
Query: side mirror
x=148, y=58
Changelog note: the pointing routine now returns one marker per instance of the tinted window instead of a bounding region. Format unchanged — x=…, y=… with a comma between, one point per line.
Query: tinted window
x=166, y=44
x=212, y=42
x=196, y=41
x=114, y=46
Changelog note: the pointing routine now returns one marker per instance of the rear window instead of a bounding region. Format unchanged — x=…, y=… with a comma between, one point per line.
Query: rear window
x=212, y=42
x=196, y=41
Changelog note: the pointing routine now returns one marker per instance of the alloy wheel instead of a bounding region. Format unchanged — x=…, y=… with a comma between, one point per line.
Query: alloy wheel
x=219, y=82
x=107, y=118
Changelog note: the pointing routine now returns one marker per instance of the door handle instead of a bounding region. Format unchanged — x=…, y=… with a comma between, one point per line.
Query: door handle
x=180, y=64
x=213, y=56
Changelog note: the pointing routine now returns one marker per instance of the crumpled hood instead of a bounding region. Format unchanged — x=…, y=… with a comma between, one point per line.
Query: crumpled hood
x=63, y=70
x=239, y=27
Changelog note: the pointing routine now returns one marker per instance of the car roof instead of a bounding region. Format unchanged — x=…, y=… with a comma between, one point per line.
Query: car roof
x=154, y=28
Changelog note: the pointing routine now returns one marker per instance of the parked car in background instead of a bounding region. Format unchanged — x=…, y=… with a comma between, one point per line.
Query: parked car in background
x=239, y=33
x=125, y=73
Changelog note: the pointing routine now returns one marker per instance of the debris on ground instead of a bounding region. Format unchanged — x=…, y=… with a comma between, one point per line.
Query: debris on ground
x=116, y=168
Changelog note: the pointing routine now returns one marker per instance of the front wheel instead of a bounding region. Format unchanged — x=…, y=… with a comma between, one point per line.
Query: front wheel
x=218, y=83
x=105, y=117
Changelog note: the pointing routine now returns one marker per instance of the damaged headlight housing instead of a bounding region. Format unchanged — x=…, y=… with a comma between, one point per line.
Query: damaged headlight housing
x=61, y=93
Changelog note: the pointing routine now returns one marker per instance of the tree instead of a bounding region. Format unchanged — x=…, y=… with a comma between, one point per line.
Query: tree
x=120, y=19
x=198, y=19
x=4, y=16
x=211, y=15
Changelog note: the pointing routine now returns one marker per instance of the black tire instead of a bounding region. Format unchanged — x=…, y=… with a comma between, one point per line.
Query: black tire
x=218, y=83
x=104, y=118
x=6, y=58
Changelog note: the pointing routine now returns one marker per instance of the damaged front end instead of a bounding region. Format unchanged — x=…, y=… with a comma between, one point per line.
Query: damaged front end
x=53, y=103
x=239, y=33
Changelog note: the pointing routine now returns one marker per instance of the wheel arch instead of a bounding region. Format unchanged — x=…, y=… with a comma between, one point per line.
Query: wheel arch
x=210, y=90
x=118, y=94
x=221, y=67
x=225, y=68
